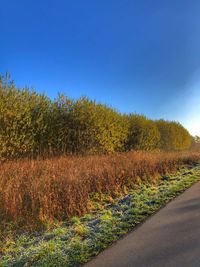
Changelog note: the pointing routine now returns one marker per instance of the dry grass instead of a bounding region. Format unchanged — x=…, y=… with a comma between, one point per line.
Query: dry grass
x=60, y=187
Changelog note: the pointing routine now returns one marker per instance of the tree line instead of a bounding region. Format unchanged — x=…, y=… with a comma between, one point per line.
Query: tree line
x=32, y=124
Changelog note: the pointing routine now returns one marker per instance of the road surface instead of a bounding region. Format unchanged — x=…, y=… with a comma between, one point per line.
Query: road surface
x=169, y=238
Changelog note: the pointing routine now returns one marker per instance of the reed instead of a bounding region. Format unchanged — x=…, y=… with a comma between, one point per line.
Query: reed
x=61, y=187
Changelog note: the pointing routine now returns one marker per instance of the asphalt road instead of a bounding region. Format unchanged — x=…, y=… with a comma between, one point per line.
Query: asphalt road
x=169, y=238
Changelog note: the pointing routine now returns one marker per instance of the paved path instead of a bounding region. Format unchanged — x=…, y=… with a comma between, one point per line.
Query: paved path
x=169, y=238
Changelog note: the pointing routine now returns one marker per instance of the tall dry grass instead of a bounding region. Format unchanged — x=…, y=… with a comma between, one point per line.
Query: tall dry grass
x=60, y=187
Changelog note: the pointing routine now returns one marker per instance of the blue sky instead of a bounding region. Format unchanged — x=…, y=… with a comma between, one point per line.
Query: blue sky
x=135, y=55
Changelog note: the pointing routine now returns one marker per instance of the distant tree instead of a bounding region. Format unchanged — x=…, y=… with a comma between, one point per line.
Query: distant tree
x=195, y=143
x=197, y=139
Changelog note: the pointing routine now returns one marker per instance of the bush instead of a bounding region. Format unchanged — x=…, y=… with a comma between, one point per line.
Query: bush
x=33, y=125
x=97, y=128
x=143, y=133
x=24, y=119
x=86, y=127
x=173, y=136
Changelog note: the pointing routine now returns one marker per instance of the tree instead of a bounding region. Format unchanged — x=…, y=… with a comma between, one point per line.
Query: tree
x=143, y=133
x=173, y=136
x=23, y=121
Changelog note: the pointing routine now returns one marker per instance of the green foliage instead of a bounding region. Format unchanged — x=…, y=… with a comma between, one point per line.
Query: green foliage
x=173, y=136
x=143, y=133
x=31, y=125
x=24, y=116
x=90, y=127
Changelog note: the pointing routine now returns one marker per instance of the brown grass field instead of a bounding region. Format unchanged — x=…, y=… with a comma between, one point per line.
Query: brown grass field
x=58, y=188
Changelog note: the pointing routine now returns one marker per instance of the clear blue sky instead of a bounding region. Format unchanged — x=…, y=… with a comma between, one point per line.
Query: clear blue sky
x=136, y=55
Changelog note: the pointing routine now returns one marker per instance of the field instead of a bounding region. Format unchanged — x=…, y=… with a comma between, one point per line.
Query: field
x=59, y=188
x=99, y=129
x=112, y=204
x=45, y=201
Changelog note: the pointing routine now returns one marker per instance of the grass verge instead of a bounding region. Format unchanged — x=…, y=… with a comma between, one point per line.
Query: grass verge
x=74, y=242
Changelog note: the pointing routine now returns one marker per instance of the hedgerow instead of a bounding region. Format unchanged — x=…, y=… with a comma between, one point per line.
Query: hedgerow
x=31, y=125
x=173, y=136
